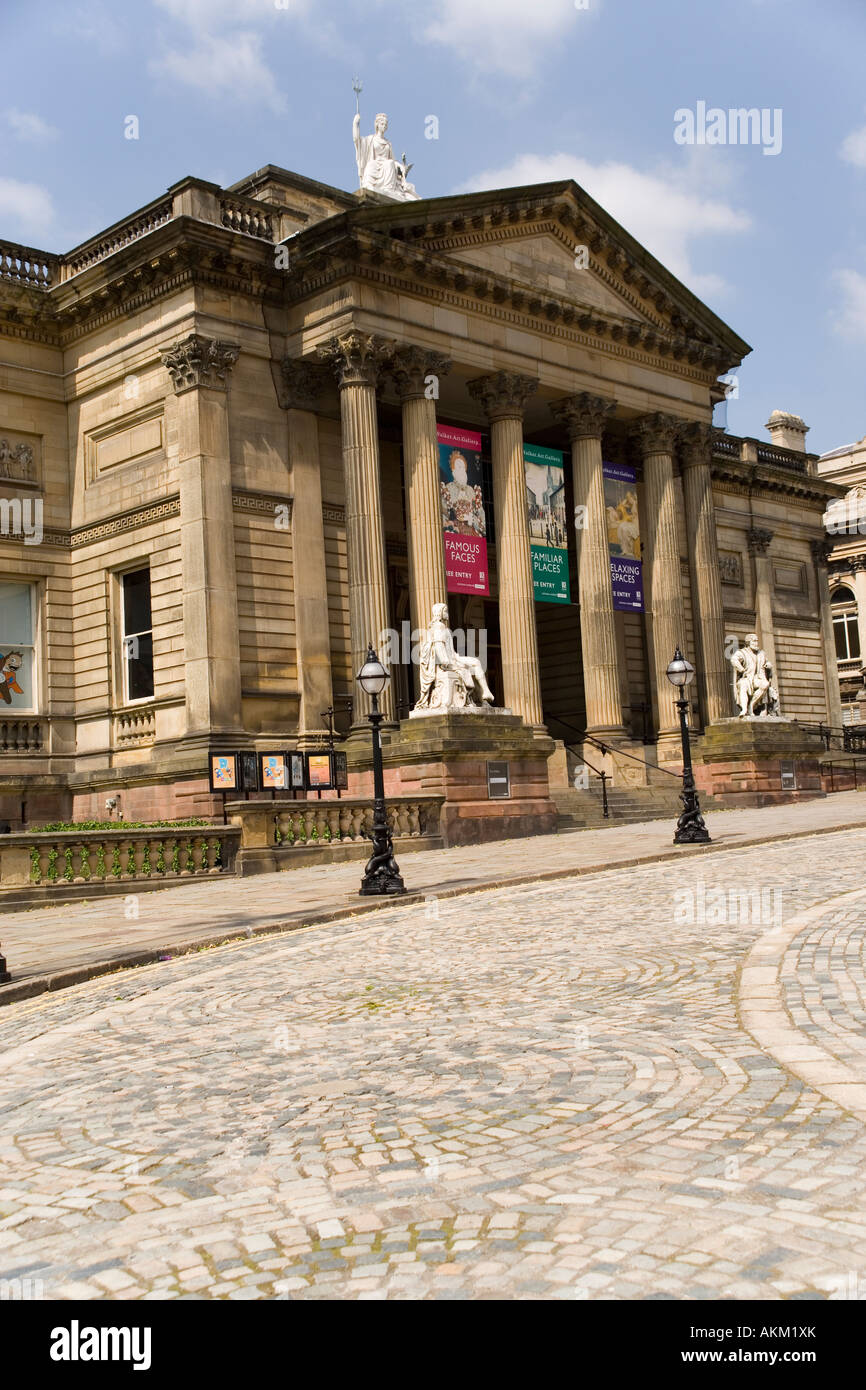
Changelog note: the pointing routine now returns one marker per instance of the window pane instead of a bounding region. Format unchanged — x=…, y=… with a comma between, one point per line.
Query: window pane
x=16, y=618
x=139, y=667
x=841, y=644
x=136, y=602
x=853, y=636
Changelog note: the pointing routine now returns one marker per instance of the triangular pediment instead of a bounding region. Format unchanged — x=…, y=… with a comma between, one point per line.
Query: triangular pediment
x=548, y=264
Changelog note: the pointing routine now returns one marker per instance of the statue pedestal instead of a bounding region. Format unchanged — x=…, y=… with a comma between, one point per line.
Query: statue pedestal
x=760, y=761
x=449, y=755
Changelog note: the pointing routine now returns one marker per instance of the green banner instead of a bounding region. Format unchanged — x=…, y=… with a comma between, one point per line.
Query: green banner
x=548, y=531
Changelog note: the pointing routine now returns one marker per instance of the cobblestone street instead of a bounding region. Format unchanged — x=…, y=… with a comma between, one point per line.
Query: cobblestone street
x=629, y=1084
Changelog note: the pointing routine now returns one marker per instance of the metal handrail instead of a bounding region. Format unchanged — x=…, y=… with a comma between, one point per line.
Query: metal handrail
x=621, y=753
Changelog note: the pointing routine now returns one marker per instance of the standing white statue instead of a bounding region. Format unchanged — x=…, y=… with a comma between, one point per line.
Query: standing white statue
x=754, y=692
x=378, y=170
x=449, y=681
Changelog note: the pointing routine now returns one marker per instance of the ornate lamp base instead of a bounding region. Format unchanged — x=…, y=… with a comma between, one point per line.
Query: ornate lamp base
x=690, y=826
x=382, y=875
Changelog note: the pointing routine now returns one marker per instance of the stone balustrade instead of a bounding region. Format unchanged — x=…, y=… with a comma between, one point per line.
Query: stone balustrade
x=247, y=216
x=134, y=728
x=283, y=834
x=26, y=266
x=151, y=217
x=21, y=735
x=74, y=863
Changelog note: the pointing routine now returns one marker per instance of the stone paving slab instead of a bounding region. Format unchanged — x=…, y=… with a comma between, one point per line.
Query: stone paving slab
x=541, y=1091
x=51, y=948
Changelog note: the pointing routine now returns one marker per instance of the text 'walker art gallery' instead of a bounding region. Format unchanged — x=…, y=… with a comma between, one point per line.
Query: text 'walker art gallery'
x=253, y=437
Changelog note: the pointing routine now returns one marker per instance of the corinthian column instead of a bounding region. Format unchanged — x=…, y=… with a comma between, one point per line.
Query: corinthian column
x=411, y=369
x=656, y=434
x=584, y=417
x=707, y=610
x=503, y=396
x=199, y=368
x=357, y=359
x=821, y=550
x=759, y=539
x=299, y=386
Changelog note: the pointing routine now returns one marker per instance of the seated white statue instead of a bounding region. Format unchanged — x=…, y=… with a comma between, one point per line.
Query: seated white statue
x=754, y=692
x=378, y=170
x=449, y=681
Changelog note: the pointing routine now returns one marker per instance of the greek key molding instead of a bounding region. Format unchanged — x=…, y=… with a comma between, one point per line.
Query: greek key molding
x=262, y=503
x=334, y=513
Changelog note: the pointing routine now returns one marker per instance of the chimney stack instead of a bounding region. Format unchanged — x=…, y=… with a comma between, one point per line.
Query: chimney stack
x=787, y=431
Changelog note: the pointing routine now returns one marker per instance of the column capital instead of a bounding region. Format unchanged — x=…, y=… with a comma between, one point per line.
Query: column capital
x=821, y=550
x=503, y=395
x=300, y=383
x=198, y=361
x=583, y=414
x=696, y=443
x=759, y=540
x=855, y=562
x=412, y=366
x=656, y=433
x=356, y=358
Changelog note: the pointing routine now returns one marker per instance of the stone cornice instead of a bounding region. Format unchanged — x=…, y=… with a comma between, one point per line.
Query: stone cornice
x=756, y=479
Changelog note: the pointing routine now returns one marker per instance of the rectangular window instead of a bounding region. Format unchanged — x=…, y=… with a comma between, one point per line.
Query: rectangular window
x=137, y=636
x=847, y=636
x=17, y=648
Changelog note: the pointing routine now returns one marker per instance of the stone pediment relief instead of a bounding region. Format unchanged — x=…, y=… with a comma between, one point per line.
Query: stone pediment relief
x=547, y=264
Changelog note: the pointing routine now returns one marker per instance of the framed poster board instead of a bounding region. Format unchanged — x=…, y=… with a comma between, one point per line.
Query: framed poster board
x=297, y=778
x=249, y=771
x=274, y=771
x=319, y=775
x=788, y=772
x=223, y=772
x=341, y=771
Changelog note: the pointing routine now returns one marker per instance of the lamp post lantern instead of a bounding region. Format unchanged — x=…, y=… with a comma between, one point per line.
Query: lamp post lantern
x=382, y=874
x=690, y=826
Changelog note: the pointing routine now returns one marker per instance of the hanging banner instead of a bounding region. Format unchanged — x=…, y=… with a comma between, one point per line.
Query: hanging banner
x=623, y=537
x=463, y=523
x=548, y=534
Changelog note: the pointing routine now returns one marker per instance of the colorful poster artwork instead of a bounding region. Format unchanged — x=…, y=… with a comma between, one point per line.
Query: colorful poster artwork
x=548, y=532
x=319, y=770
x=224, y=772
x=275, y=772
x=623, y=537
x=463, y=522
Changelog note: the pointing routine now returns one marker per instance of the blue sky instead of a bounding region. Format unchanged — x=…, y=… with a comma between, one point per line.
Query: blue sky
x=524, y=91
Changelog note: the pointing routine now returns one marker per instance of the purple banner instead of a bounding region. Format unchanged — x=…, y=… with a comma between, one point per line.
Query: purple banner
x=623, y=537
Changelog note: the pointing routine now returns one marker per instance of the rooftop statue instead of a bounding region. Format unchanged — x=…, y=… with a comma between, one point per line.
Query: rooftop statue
x=378, y=170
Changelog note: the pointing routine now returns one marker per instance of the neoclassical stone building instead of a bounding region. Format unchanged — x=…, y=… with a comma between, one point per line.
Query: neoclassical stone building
x=219, y=469
x=846, y=534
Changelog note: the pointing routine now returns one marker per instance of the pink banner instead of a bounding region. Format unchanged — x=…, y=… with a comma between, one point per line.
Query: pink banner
x=463, y=522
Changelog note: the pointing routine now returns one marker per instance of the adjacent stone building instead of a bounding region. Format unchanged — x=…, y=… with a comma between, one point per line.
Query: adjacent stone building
x=846, y=533
x=219, y=477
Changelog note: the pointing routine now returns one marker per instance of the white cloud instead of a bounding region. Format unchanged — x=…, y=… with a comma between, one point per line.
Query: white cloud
x=853, y=148
x=850, y=318
x=26, y=125
x=26, y=209
x=663, y=210
x=506, y=36
x=218, y=64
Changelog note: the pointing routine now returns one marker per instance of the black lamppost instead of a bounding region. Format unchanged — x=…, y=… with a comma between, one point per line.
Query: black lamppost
x=690, y=826
x=381, y=874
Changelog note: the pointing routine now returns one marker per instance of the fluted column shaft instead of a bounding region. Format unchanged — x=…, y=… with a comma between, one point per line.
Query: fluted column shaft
x=356, y=358
x=656, y=434
x=820, y=553
x=759, y=544
x=707, y=607
x=504, y=396
x=412, y=369
x=584, y=416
